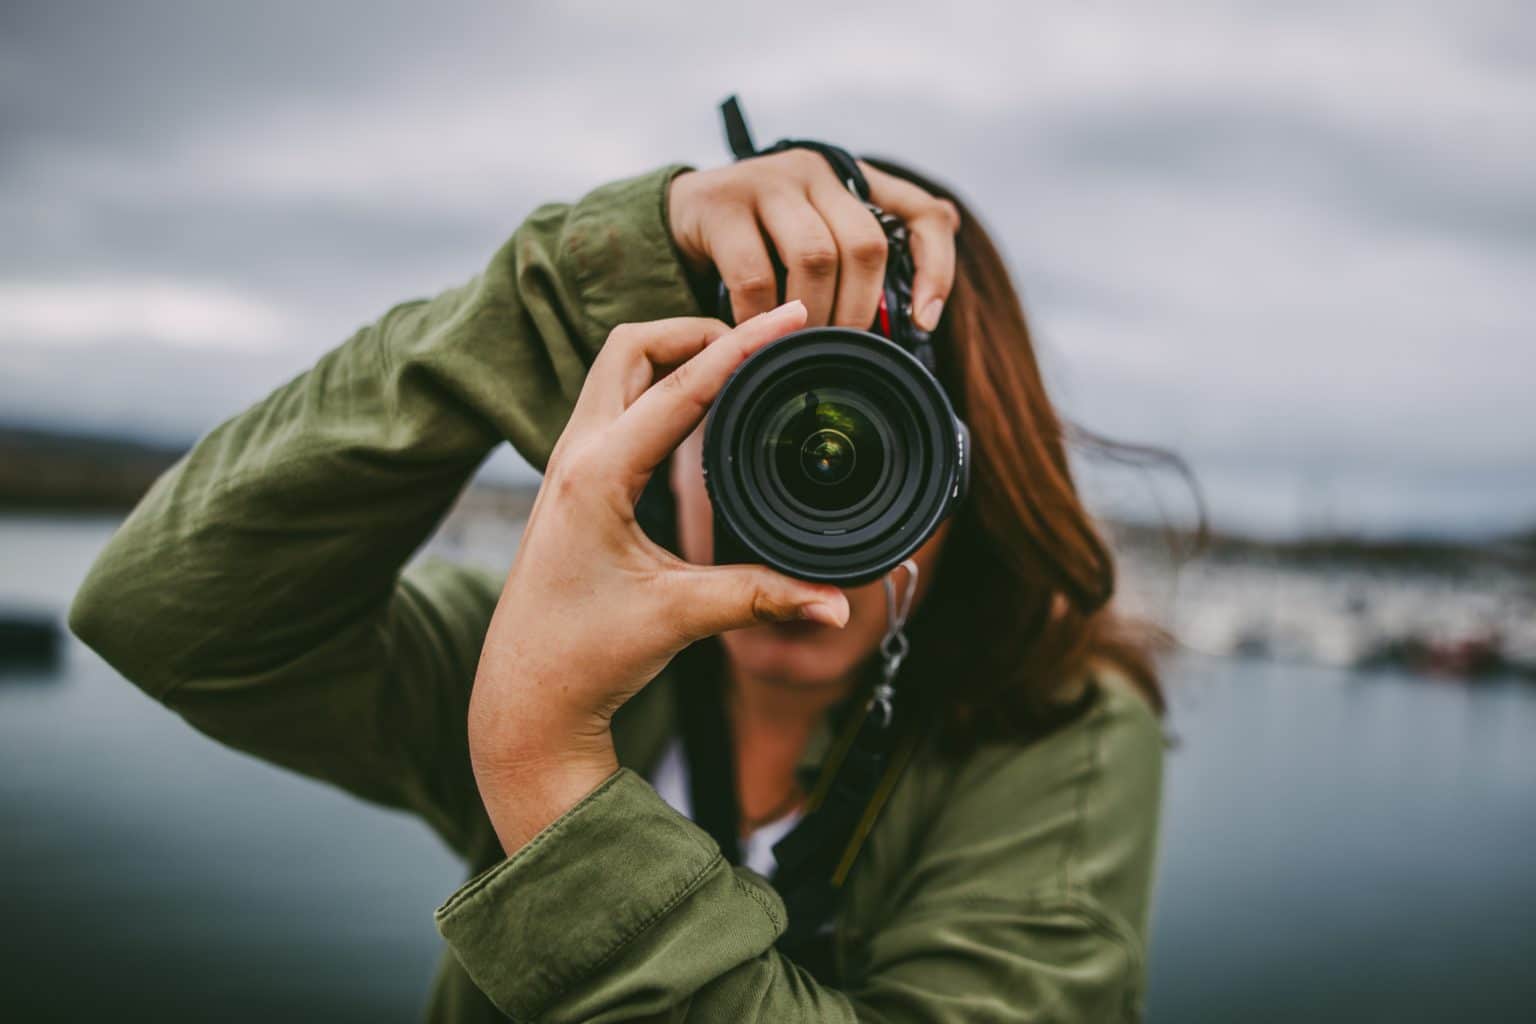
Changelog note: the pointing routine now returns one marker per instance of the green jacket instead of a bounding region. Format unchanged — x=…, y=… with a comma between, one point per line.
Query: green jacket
x=258, y=590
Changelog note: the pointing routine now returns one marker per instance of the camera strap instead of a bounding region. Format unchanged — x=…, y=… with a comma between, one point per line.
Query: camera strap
x=739, y=137
x=854, y=782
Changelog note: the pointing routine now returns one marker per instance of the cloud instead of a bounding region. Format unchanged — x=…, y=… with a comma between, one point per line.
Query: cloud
x=177, y=313
x=1293, y=242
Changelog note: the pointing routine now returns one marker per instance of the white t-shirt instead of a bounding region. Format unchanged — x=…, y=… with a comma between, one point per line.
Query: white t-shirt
x=671, y=782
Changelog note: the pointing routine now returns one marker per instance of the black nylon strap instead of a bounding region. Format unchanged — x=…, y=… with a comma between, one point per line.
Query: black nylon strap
x=707, y=748
x=808, y=854
x=739, y=137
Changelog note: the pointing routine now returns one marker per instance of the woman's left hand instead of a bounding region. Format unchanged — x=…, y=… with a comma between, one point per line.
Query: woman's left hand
x=592, y=609
x=832, y=248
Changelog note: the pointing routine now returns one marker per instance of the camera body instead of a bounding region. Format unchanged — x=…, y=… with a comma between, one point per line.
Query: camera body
x=833, y=454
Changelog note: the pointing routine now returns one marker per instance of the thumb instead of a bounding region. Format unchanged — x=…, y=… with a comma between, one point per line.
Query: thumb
x=714, y=599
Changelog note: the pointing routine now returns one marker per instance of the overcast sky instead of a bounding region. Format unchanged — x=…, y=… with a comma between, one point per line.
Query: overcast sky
x=1296, y=242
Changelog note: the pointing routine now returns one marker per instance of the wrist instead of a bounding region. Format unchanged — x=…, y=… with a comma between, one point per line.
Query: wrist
x=681, y=228
x=526, y=788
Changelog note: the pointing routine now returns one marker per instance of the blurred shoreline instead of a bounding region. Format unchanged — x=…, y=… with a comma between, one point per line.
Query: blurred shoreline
x=1437, y=609
x=48, y=471
x=1433, y=606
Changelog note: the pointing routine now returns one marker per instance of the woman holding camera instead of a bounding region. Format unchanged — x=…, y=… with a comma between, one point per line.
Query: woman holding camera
x=260, y=591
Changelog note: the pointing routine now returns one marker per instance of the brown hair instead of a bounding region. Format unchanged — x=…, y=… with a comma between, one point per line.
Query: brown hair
x=1021, y=607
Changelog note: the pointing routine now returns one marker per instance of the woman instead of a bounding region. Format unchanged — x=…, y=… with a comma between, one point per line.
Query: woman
x=258, y=590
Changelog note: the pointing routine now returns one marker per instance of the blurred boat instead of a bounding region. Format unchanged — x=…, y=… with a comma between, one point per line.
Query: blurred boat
x=29, y=639
x=1469, y=618
x=1468, y=657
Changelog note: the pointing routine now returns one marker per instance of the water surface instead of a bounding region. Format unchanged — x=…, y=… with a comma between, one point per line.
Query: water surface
x=1337, y=847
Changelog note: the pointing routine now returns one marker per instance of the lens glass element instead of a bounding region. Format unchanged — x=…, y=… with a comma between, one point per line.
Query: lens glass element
x=827, y=449
x=828, y=456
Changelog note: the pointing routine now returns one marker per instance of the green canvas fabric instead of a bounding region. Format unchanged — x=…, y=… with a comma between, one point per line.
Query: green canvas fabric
x=259, y=591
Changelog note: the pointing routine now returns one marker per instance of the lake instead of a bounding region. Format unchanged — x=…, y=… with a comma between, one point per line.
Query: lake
x=1337, y=846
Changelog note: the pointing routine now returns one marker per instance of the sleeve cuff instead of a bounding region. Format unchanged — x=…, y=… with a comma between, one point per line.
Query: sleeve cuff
x=619, y=250
x=543, y=922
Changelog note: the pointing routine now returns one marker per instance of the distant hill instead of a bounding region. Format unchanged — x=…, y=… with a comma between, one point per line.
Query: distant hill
x=1426, y=554
x=50, y=471
x=57, y=472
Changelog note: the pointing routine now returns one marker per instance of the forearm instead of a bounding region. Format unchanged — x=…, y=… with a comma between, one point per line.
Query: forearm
x=290, y=522
x=618, y=910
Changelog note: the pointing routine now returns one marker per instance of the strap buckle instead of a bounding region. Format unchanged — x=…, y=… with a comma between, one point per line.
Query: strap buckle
x=894, y=646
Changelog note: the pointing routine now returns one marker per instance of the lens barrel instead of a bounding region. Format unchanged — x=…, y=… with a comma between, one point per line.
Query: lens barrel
x=831, y=455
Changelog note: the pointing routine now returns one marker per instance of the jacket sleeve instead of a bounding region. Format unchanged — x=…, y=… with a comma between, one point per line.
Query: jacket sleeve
x=258, y=589
x=1027, y=901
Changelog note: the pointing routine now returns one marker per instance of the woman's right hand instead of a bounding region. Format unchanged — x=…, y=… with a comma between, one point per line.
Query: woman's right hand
x=593, y=609
x=831, y=245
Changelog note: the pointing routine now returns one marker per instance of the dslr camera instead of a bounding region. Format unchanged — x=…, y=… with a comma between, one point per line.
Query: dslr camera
x=833, y=454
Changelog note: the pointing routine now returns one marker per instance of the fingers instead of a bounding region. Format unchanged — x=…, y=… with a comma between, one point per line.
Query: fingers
x=862, y=252
x=713, y=599
x=740, y=255
x=931, y=224
x=806, y=248
x=668, y=412
x=721, y=217
x=933, y=257
x=631, y=358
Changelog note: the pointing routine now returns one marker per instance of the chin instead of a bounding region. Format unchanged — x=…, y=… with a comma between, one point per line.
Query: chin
x=798, y=654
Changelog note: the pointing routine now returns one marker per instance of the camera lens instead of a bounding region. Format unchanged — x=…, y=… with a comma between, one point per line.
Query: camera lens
x=831, y=455
x=824, y=450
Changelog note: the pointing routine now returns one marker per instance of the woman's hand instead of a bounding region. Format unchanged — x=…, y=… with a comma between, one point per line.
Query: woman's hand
x=592, y=610
x=829, y=242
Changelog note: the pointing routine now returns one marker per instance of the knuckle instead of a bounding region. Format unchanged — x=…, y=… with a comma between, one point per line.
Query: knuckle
x=684, y=388
x=868, y=250
x=760, y=608
x=948, y=214
x=623, y=336
x=717, y=185
x=571, y=476
x=755, y=286
x=769, y=607
x=690, y=605
x=795, y=164
x=720, y=203
x=818, y=259
x=680, y=385
x=678, y=380
x=800, y=162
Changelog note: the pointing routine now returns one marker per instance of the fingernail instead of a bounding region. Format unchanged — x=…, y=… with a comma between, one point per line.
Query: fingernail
x=783, y=309
x=928, y=319
x=823, y=612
